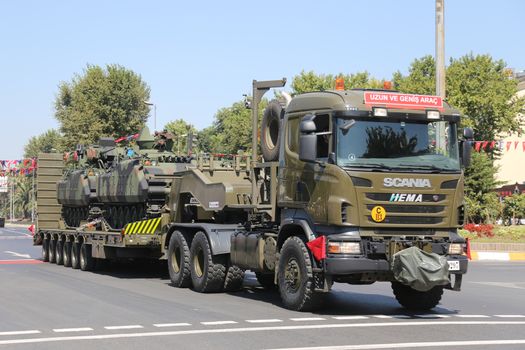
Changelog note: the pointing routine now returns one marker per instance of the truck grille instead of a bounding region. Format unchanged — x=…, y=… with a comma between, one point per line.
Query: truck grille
x=410, y=220
x=401, y=208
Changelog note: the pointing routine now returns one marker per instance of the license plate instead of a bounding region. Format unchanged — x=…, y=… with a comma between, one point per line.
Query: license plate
x=453, y=265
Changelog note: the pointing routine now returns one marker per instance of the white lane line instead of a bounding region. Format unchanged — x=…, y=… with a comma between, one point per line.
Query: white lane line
x=270, y=320
x=472, y=316
x=391, y=316
x=18, y=255
x=131, y=326
x=17, y=232
x=217, y=323
x=261, y=329
x=350, y=317
x=162, y=325
x=510, y=316
x=414, y=345
x=20, y=332
x=306, y=319
x=432, y=316
x=65, y=330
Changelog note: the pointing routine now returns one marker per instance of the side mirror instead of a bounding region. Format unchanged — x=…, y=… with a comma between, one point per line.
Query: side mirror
x=466, y=153
x=468, y=134
x=307, y=139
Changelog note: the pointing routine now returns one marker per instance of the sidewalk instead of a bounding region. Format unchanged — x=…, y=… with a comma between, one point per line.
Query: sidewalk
x=498, y=251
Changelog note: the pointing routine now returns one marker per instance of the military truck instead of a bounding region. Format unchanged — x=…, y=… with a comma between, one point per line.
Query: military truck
x=354, y=186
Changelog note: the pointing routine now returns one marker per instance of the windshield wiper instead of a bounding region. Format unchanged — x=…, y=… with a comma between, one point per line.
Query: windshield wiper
x=381, y=166
x=425, y=167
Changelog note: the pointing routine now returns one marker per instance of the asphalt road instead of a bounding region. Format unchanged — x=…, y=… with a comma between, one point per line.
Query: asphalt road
x=132, y=306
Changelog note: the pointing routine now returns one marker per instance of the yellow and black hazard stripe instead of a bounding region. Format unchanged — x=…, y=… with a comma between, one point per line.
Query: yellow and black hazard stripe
x=144, y=227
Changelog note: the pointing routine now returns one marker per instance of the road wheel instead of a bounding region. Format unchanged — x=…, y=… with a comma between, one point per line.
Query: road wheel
x=234, y=279
x=45, y=249
x=416, y=300
x=266, y=280
x=59, y=256
x=207, y=273
x=295, y=277
x=66, y=253
x=52, y=250
x=75, y=255
x=86, y=260
x=270, y=131
x=179, y=260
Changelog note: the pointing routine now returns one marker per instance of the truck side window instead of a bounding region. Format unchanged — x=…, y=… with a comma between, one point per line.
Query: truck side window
x=322, y=123
x=293, y=134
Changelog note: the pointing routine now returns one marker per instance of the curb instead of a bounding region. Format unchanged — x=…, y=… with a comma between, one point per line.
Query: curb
x=497, y=256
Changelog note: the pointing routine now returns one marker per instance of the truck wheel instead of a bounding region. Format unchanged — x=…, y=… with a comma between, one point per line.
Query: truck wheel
x=295, y=277
x=179, y=260
x=266, y=280
x=234, y=279
x=270, y=131
x=66, y=253
x=207, y=275
x=52, y=250
x=59, y=257
x=86, y=260
x=45, y=249
x=416, y=300
x=75, y=255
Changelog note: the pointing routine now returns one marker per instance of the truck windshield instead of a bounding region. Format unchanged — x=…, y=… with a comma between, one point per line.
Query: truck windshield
x=395, y=145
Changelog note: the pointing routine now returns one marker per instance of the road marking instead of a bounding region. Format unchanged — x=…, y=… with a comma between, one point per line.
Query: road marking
x=510, y=316
x=161, y=325
x=18, y=255
x=270, y=320
x=18, y=232
x=306, y=319
x=21, y=262
x=432, y=316
x=66, y=330
x=392, y=316
x=414, y=345
x=350, y=317
x=261, y=329
x=16, y=237
x=498, y=256
x=473, y=316
x=217, y=323
x=132, y=326
x=502, y=284
x=20, y=332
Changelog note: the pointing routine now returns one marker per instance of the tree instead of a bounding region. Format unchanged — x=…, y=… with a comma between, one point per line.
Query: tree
x=514, y=207
x=421, y=78
x=101, y=102
x=310, y=81
x=49, y=141
x=180, y=130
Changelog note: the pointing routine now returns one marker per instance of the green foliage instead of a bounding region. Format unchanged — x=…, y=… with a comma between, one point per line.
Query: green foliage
x=101, y=102
x=421, y=78
x=49, y=141
x=180, y=130
x=310, y=81
x=514, y=207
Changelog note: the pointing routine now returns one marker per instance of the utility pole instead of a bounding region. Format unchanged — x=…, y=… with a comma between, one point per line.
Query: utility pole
x=440, y=67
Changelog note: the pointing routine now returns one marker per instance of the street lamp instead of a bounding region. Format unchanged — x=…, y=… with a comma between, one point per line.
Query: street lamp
x=149, y=103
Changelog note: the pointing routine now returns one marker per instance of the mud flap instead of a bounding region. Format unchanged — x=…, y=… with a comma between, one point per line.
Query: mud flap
x=420, y=270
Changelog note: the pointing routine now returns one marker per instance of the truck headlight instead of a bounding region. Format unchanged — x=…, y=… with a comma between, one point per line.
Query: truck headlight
x=344, y=248
x=455, y=248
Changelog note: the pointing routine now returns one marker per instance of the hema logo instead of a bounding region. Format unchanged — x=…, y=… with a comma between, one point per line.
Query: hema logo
x=406, y=197
x=405, y=182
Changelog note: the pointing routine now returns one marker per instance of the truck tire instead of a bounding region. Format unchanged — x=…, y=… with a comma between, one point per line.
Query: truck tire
x=295, y=277
x=66, y=253
x=59, y=256
x=179, y=260
x=416, y=300
x=266, y=280
x=86, y=260
x=52, y=249
x=207, y=274
x=270, y=131
x=45, y=249
x=234, y=279
x=75, y=255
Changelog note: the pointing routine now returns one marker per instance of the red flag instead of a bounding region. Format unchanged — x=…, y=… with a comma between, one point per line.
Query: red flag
x=477, y=146
x=318, y=248
x=485, y=143
x=509, y=143
x=120, y=139
x=492, y=144
x=32, y=229
x=523, y=145
x=516, y=144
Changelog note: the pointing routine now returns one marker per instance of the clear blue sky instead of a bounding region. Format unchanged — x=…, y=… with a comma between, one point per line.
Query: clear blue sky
x=199, y=56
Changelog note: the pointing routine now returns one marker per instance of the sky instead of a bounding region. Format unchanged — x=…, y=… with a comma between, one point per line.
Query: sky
x=200, y=56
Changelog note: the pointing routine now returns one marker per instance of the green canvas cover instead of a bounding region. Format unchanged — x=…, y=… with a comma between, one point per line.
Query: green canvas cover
x=420, y=270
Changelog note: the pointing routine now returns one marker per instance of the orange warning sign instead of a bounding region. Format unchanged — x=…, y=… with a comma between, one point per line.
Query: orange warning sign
x=378, y=213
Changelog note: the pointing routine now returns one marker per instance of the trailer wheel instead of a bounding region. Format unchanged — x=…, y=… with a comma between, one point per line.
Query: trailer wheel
x=270, y=131
x=86, y=260
x=52, y=250
x=45, y=249
x=179, y=260
x=75, y=255
x=266, y=280
x=59, y=256
x=234, y=279
x=415, y=300
x=207, y=274
x=295, y=277
x=66, y=253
